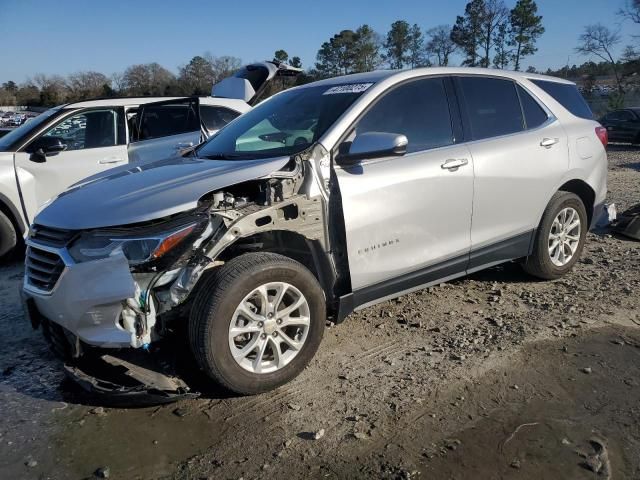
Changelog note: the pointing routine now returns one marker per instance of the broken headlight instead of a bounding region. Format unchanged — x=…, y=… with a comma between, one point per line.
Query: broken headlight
x=137, y=249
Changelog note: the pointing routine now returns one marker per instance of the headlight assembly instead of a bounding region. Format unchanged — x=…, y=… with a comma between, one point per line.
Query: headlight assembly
x=138, y=249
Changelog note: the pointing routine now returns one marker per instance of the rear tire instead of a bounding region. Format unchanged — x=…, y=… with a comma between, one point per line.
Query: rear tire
x=272, y=340
x=8, y=237
x=558, y=245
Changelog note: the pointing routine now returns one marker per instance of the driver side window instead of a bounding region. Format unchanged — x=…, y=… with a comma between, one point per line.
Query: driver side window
x=89, y=129
x=418, y=109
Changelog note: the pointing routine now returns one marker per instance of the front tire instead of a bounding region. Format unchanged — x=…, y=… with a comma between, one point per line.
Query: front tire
x=257, y=322
x=560, y=237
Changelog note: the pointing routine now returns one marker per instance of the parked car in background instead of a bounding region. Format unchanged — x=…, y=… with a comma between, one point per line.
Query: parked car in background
x=6, y=118
x=623, y=125
x=66, y=144
x=17, y=119
x=325, y=198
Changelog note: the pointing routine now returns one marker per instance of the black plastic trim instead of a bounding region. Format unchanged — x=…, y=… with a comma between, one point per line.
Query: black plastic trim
x=411, y=280
x=514, y=247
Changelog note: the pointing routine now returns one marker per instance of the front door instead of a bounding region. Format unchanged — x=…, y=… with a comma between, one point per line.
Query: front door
x=408, y=219
x=94, y=141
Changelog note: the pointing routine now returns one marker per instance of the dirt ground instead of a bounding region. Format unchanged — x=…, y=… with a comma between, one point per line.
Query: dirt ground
x=492, y=376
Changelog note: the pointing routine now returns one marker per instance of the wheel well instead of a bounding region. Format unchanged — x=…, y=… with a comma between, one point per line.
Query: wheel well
x=585, y=192
x=17, y=224
x=293, y=245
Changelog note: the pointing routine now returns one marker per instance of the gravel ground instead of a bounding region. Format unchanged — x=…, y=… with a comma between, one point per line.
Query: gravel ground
x=492, y=376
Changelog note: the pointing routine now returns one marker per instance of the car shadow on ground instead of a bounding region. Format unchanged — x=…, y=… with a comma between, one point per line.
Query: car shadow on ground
x=622, y=147
x=511, y=272
x=633, y=166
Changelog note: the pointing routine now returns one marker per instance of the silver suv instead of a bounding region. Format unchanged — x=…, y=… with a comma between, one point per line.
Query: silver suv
x=324, y=199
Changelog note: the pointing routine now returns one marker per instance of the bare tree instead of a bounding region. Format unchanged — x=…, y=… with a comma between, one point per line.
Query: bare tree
x=440, y=45
x=53, y=88
x=503, y=54
x=495, y=13
x=82, y=85
x=631, y=11
x=600, y=41
x=117, y=82
x=148, y=79
x=222, y=66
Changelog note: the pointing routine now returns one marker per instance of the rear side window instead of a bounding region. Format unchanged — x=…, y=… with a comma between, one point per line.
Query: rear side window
x=493, y=107
x=534, y=114
x=167, y=119
x=568, y=96
x=214, y=118
x=418, y=109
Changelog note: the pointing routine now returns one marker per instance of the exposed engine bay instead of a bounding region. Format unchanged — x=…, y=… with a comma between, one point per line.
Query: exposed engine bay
x=281, y=212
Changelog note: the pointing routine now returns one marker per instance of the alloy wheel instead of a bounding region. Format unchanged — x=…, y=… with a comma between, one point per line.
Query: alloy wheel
x=564, y=236
x=269, y=327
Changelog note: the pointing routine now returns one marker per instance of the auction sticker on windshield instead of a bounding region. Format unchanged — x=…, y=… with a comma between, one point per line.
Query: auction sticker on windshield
x=349, y=88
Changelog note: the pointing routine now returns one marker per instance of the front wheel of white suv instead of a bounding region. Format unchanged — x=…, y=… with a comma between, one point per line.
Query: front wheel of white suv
x=560, y=237
x=257, y=322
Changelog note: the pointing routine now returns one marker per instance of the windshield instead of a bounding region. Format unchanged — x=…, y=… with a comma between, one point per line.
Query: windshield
x=12, y=139
x=283, y=125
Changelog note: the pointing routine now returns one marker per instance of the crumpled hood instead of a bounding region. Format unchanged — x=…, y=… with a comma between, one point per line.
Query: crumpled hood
x=132, y=194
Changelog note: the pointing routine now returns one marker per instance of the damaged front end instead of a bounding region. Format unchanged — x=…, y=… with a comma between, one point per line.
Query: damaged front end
x=128, y=289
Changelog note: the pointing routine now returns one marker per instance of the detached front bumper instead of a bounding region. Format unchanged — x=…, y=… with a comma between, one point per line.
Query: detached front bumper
x=86, y=299
x=116, y=377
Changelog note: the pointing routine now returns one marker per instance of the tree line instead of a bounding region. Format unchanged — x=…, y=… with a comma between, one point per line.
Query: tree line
x=487, y=34
x=150, y=79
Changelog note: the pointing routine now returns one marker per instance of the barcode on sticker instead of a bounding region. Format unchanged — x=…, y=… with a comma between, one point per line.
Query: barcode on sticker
x=349, y=88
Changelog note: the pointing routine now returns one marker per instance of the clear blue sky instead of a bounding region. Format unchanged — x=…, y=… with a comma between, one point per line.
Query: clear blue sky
x=64, y=36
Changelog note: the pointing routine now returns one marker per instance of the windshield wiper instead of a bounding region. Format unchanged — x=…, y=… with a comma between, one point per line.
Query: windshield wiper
x=233, y=156
x=223, y=156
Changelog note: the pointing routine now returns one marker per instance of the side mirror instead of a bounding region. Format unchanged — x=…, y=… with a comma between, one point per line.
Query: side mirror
x=374, y=145
x=44, y=147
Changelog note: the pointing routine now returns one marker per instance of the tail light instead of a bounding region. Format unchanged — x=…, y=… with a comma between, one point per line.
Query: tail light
x=603, y=135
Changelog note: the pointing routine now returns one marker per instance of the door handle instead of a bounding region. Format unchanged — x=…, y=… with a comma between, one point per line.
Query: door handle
x=549, y=142
x=109, y=160
x=454, y=163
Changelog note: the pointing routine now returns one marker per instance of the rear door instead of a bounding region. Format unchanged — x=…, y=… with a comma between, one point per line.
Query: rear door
x=94, y=140
x=164, y=129
x=520, y=154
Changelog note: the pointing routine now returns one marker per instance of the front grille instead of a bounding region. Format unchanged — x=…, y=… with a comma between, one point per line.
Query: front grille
x=55, y=237
x=43, y=268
